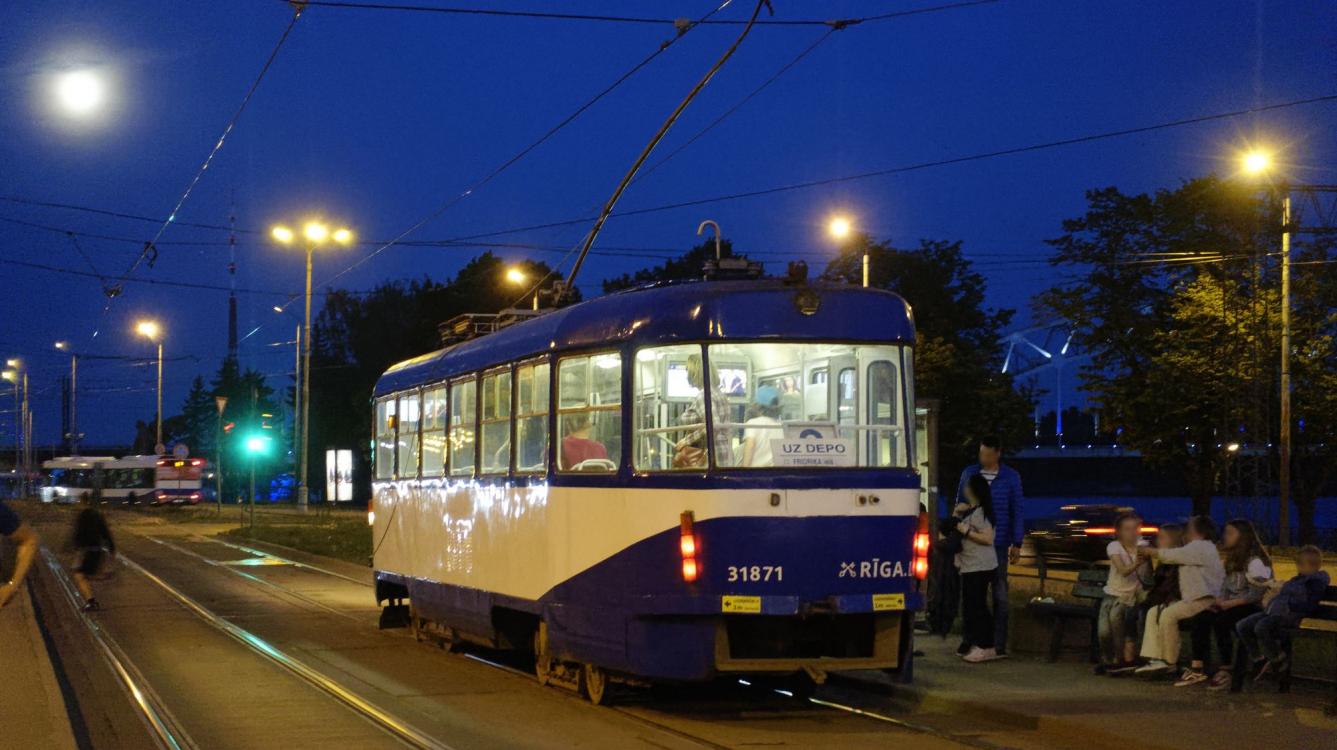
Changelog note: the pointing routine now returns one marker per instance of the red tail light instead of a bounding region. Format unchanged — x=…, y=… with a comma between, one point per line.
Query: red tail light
x=688, y=547
x=1098, y=530
x=920, y=563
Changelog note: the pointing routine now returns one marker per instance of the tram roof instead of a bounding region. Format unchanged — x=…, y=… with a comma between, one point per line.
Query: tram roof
x=674, y=312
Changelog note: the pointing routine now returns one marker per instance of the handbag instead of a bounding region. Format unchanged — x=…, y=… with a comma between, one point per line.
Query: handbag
x=689, y=457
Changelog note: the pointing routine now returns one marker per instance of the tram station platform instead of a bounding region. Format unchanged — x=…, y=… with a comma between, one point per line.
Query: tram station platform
x=32, y=709
x=1068, y=706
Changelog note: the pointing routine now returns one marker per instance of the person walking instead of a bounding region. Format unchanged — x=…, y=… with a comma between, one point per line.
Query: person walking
x=1005, y=488
x=977, y=561
x=21, y=534
x=93, y=540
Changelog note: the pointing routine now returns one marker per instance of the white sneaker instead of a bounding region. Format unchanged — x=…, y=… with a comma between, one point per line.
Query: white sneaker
x=978, y=655
x=1155, y=666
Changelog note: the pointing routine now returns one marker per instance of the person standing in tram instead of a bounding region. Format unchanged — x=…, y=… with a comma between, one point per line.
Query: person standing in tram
x=690, y=451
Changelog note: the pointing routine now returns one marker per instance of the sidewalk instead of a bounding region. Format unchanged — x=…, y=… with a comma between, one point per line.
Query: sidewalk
x=32, y=710
x=1065, y=702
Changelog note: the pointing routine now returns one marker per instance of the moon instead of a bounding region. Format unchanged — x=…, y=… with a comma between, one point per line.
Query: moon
x=79, y=92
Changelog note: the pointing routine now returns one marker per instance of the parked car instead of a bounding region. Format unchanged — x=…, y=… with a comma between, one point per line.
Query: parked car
x=1079, y=534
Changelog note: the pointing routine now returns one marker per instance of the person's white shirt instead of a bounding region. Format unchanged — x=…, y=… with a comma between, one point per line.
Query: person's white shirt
x=1122, y=587
x=761, y=438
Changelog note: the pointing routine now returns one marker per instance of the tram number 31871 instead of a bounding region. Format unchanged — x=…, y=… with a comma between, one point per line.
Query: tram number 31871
x=756, y=573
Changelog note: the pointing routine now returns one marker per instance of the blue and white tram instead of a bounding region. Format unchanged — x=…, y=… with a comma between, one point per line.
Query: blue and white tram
x=671, y=483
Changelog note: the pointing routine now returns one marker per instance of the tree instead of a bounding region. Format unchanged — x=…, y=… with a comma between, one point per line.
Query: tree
x=958, y=352
x=200, y=416
x=685, y=267
x=1176, y=299
x=356, y=337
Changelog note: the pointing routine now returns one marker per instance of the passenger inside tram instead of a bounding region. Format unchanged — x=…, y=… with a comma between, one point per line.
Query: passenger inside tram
x=577, y=446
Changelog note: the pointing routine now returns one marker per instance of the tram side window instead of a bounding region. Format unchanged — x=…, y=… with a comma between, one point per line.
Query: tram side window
x=433, y=431
x=589, y=413
x=463, y=409
x=385, y=438
x=670, y=413
x=496, y=423
x=408, y=436
x=531, y=418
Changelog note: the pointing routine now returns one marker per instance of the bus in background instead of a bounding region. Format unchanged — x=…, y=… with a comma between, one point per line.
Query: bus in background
x=180, y=481
x=130, y=480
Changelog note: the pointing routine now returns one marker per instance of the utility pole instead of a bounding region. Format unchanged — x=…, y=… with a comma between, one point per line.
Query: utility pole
x=1284, y=475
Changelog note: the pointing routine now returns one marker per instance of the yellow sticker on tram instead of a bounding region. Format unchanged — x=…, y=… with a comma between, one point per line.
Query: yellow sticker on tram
x=740, y=604
x=882, y=602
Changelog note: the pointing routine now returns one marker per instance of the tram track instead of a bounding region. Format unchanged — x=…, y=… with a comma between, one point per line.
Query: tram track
x=379, y=717
x=643, y=715
x=164, y=729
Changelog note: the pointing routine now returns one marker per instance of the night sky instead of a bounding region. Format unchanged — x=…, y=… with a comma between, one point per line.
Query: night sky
x=375, y=119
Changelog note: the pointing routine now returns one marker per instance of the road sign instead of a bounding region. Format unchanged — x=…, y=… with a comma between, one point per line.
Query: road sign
x=181, y=450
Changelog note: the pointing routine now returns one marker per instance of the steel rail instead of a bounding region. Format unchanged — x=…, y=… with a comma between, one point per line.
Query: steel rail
x=390, y=723
x=223, y=565
x=165, y=729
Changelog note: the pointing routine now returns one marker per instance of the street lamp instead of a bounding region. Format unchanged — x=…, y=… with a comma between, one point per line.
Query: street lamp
x=841, y=228
x=152, y=331
x=315, y=234
x=518, y=277
x=1259, y=163
x=73, y=437
x=18, y=375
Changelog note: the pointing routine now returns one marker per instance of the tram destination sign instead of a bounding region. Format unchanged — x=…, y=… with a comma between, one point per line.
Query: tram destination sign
x=809, y=452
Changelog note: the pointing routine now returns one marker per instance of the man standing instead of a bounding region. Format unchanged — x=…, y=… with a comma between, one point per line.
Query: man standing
x=1005, y=486
x=14, y=529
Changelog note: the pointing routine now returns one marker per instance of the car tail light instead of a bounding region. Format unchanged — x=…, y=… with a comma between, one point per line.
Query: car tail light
x=687, y=545
x=1150, y=529
x=920, y=565
x=1098, y=531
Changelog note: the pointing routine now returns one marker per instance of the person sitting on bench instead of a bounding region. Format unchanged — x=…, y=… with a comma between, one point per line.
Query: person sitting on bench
x=1284, y=606
x=1116, y=624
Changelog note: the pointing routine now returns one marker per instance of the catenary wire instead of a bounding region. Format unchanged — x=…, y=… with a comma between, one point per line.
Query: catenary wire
x=522, y=153
x=981, y=156
x=642, y=20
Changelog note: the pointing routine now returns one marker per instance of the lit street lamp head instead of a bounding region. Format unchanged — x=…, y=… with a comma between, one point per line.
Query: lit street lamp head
x=1256, y=162
x=9, y=375
x=79, y=92
x=316, y=232
x=12, y=364
x=343, y=236
x=148, y=329
x=515, y=276
x=281, y=234
x=840, y=227
x=61, y=345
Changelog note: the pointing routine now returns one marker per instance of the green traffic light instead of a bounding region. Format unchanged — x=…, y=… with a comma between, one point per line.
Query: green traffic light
x=257, y=444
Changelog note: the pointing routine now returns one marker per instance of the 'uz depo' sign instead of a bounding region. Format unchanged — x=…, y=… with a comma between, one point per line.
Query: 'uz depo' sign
x=813, y=452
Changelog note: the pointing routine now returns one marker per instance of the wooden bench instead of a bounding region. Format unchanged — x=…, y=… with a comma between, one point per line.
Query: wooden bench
x=1321, y=624
x=1090, y=588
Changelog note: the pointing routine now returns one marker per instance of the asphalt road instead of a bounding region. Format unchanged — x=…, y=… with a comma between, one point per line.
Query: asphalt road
x=252, y=650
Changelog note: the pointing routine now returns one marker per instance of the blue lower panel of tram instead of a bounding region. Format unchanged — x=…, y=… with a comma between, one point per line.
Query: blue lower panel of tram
x=839, y=593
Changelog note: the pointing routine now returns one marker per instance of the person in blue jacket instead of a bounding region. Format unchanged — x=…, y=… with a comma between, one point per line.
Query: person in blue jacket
x=1005, y=486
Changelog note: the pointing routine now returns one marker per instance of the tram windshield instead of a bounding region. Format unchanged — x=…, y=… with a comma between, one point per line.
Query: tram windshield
x=771, y=405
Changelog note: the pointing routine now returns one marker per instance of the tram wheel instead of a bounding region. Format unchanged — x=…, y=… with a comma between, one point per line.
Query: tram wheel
x=594, y=684
x=543, y=665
